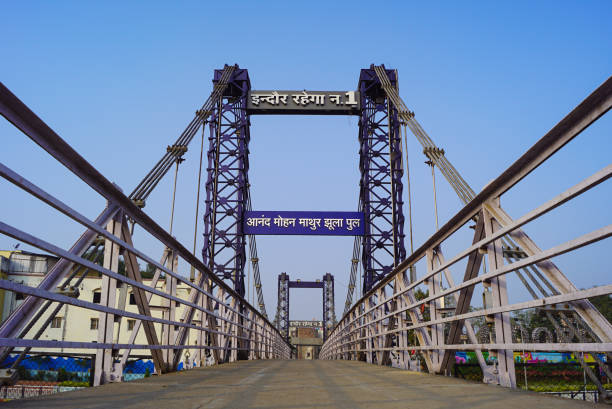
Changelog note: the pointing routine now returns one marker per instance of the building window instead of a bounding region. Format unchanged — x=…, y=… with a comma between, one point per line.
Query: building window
x=19, y=296
x=132, y=300
x=131, y=324
x=57, y=322
x=176, y=327
x=93, y=323
x=97, y=296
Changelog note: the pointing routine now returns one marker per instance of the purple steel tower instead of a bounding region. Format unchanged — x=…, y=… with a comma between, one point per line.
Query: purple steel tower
x=329, y=315
x=381, y=179
x=227, y=183
x=282, y=313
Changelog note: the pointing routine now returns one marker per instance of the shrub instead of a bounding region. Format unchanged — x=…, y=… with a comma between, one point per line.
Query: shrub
x=24, y=374
x=74, y=384
x=62, y=375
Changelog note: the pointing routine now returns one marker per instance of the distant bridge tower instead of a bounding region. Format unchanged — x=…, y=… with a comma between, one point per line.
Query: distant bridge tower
x=329, y=310
x=282, y=313
x=227, y=184
x=381, y=179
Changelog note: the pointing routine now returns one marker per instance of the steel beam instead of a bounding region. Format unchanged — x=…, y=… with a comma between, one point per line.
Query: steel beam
x=282, y=313
x=305, y=284
x=329, y=314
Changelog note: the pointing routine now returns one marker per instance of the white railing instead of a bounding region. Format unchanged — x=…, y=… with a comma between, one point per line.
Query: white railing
x=167, y=307
x=412, y=321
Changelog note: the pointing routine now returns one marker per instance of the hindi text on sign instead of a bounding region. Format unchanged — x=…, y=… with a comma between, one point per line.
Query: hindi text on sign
x=304, y=223
x=303, y=102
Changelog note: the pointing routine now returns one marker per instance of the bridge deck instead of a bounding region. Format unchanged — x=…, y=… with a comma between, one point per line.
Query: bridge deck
x=297, y=384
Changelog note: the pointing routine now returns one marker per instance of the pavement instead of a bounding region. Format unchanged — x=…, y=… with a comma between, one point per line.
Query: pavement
x=298, y=384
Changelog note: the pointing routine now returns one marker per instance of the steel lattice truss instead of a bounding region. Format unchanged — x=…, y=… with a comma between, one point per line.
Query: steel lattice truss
x=380, y=164
x=329, y=309
x=282, y=305
x=284, y=286
x=380, y=186
x=227, y=186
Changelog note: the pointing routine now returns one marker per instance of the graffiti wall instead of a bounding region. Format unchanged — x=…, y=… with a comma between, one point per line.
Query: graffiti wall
x=469, y=357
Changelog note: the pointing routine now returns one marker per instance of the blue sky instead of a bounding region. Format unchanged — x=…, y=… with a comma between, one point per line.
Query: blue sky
x=119, y=81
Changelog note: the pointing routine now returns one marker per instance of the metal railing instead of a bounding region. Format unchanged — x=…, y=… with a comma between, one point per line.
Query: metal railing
x=424, y=332
x=226, y=326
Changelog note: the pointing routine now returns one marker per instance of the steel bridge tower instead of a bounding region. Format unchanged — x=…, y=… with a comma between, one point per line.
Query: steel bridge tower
x=227, y=186
x=282, y=306
x=282, y=314
x=380, y=164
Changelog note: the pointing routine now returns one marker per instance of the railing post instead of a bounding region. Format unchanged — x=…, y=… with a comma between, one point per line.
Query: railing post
x=402, y=337
x=233, y=329
x=380, y=327
x=499, y=295
x=268, y=342
x=169, y=311
x=437, y=331
x=368, y=333
x=354, y=334
x=260, y=343
x=108, y=293
x=252, y=335
x=200, y=353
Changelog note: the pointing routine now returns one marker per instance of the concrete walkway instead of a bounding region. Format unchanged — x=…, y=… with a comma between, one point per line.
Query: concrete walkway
x=297, y=384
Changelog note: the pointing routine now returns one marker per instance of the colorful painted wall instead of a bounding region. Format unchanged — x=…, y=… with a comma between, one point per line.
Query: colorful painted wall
x=469, y=357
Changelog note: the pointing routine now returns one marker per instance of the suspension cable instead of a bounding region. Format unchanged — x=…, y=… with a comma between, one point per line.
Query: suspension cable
x=407, y=168
x=151, y=179
x=355, y=261
x=178, y=162
x=435, y=199
x=254, y=259
x=195, y=229
x=436, y=156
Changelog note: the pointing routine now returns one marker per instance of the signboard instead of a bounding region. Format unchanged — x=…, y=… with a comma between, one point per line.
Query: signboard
x=306, y=323
x=304, y=223
x=304, y=102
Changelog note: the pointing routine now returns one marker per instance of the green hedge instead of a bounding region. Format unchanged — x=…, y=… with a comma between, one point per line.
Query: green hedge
x=73, y=383
x=563, y=386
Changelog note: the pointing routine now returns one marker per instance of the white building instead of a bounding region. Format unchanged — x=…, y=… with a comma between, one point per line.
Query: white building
x=75, y=323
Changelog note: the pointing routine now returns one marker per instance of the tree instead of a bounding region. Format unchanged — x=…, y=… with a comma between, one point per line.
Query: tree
x=149, y=271
x=604, y=304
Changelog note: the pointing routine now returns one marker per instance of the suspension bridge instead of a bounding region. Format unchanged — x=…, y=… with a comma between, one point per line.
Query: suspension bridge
x=406, y=313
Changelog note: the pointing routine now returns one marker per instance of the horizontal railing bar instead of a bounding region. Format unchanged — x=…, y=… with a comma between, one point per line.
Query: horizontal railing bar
x=13, y=323
x=576, y=190
x=46, y=246
x=16, y=112
x=20, y=342
x=48, y=295
x=569, y=347
x=46, y=197
x=558, y=200
x=556, y=299
x=581, y=241
x=588, y=111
